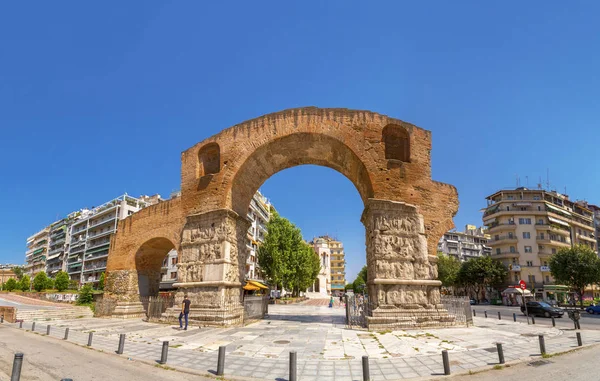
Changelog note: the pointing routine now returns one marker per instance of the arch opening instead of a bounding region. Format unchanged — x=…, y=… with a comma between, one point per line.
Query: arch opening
x=294, y=150
x=397, y=143
x=149, y=260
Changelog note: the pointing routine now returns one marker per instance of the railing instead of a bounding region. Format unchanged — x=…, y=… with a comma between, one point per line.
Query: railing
x=102, y=221
x=91, y=236
x=98, y=244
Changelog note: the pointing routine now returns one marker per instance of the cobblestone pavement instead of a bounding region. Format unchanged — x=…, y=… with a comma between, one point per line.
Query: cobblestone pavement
x=326, y=349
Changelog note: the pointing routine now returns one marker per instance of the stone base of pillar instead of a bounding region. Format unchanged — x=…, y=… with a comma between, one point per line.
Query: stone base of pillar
x=391, y=317
x=129, y=310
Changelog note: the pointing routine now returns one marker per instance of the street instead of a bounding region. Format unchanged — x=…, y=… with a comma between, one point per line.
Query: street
x=556, y=368
x=587, y=321
x=48, y=359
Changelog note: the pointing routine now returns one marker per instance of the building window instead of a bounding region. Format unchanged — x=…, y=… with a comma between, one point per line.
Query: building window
x=553, y=251
x=530, y=263
x=497, y=237
x=498, y=251
x=173, y=261
x=542, y=235
x=528, y=249
x=512, y=249
x=516, y=277
x=174, y=275
x=525, y=221
x=526, y=235
x=547, y=279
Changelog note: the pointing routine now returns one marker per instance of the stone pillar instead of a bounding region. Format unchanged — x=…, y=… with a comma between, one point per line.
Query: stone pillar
x=122, y=287
x=403, y=288
x=211, y=268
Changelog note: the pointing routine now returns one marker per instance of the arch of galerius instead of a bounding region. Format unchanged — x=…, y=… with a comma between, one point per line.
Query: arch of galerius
x=387, y=160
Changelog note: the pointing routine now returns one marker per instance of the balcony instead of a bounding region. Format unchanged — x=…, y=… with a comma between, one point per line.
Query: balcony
x=586, y=238
x=98, y=244
x=554, y=241
x=100, y=254
x=496, y=227
x=101, y=234
x=506, y=254
x=102, y=222
x=504, y=239
x=95, y=267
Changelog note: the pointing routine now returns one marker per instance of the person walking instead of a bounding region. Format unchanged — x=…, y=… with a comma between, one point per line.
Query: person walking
x=185, y=311
x=331, y=302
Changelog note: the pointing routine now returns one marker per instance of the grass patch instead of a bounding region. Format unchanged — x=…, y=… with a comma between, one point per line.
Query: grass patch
x=498, y=367
x=163, y=367
x=176, y=346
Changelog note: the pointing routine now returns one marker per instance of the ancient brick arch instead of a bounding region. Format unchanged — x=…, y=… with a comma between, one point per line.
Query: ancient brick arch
x=386, y=159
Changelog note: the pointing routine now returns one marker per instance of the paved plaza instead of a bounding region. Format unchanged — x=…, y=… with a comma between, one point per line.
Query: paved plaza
x=327, y=349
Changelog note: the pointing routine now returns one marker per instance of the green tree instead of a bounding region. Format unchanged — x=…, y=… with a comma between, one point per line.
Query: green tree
x=40, y=281
x=50, y=284
x=11, y=285
x=61, y=282
x=349, y=286
x=363, y=273
x=18, y=272
x=25, y=283
x=86, y=295
x=285, y=258
x=448, y=268
x=576, y=267
x=477, y=274
x=359, y=284
x=101, y=282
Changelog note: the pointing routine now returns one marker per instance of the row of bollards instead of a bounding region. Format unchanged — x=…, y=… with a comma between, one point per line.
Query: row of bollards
x=18, y=359
x=576, y=323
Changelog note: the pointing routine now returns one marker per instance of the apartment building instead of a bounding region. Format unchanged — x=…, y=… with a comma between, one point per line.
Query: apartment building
x=168, y=272
x=528, y=226
x=58, y=242
x=90, y=236
x=259, y=212
x=37, y=252
x=332, y=277
x=596, y=210
x=471, y=243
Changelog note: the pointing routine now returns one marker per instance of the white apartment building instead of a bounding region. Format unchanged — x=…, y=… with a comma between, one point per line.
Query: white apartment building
x=90, y=236
x=322, y=284
x=37, y=252
x=259, y=212
x=471, y=243
x=168, y=272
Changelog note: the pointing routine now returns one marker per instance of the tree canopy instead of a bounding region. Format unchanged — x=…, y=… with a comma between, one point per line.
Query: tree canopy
x=61, y=281
x=481, y=272
x=24, y=283
x=285, y=258
x=448, y=269
x=11, y=285
x=40, y=281
x=576, y=267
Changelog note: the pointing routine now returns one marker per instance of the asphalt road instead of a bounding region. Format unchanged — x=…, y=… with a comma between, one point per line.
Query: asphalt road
x=578, y=365
x=47, y=359
x=587, y=321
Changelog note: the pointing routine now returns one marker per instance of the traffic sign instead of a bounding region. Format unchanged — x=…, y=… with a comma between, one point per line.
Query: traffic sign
x=522, y=284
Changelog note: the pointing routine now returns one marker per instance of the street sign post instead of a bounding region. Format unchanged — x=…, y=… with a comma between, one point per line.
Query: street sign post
x=523, y=287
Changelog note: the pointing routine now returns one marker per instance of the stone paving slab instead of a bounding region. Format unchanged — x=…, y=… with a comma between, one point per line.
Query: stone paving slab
x=393, y=355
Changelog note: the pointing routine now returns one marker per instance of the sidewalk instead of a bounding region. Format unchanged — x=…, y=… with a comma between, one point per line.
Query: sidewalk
x=261, y=350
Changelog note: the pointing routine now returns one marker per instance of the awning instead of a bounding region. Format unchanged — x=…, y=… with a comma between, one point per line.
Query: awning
x=516, y=291
x=251, y=287
x=39, y=250
x=558, y=209
x=53, y=256
x=104, y=247
x=451, y=241
x=557, y=221
x=257, y=284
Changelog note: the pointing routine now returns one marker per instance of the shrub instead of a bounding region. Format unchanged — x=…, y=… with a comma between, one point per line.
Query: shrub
x=10, y=285
x=25, y=283
x=86, y=295
x=62, y=281
x=40, y=281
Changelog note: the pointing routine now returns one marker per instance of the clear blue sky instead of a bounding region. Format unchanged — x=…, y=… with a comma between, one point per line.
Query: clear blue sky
x=100, y=99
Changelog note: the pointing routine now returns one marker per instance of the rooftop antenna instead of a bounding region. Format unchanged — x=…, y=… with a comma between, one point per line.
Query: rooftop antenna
x=518, y=181
x=547, y=179
x=540, y=183
x=527, y=181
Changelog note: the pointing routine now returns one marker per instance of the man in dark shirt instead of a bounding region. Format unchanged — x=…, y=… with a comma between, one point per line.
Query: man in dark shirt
x=185, y=310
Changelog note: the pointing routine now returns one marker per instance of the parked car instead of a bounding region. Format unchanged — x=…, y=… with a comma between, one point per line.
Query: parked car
x=542, y=309
x=593, y=309
x=473, y=302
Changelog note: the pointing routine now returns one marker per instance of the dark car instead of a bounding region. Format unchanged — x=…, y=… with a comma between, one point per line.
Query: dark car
x=542, y=309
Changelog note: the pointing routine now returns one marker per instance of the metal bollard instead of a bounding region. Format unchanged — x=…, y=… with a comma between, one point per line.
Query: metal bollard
x=574, y=324
x=365, y=367
x=66, y=379
x=2, y=319
x=293, y=367
x=553, y=322
x=33, y=327
x=66, y=334
x=21, y=324
x=17, y=365
x=48, y=330
x=485, y=313
x=221, y=361
x=532, y=319
x=499, y=317
x=514, y=317
x=579, y=342
x=500, y=353
x=164, y=353
x=542, y=344
x=446, y=362
x=578, y=325
x=474, y=314
x=121, y=344
x=90, y=336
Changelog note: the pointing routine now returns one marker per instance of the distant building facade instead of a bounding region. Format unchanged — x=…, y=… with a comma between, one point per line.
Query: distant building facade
x=471, y=243
x=6, y=273
x=332, y=276
x=259, y=213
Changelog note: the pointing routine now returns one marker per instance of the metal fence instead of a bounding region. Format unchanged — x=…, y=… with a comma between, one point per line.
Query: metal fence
x=359, y=308
x=155, y=306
